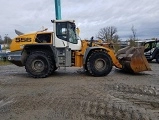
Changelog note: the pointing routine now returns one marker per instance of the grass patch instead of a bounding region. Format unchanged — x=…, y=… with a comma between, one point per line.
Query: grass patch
x=4, y=62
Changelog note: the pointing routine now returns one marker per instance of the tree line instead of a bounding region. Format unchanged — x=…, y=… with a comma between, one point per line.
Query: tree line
x=5, y=40
x=109, y=35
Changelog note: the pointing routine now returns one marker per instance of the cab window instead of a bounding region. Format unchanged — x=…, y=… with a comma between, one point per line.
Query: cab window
x=61, y=31
x=157, y=45
x=66, y=31
x=72, y=33
x=43, y=38
x=153, y=44
x=147, y=47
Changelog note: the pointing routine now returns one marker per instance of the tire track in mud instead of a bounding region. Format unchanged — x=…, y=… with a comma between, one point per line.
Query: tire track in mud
x=111, y=107
x=141, y=95
x=135, y=89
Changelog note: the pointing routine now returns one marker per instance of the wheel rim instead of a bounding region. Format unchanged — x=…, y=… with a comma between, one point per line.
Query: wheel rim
x=38, y=65
x=100, y=64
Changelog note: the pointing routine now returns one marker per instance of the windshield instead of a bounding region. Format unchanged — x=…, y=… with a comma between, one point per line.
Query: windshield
x=72, y=33
x=66, y=31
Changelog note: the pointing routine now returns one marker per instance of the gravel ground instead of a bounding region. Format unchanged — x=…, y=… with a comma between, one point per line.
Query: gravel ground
x=71, y=94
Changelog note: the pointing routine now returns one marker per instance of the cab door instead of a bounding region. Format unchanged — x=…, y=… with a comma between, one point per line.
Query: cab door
x=62, y=45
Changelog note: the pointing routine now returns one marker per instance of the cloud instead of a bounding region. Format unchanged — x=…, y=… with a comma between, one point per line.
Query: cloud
x=90, y=16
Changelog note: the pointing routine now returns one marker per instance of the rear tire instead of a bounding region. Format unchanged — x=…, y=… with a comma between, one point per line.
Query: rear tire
x=39, y=64
x=99, y=64
x=157, y=58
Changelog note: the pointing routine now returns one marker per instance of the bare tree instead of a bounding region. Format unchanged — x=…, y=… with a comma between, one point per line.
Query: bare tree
x=133, y=36
x=1, y=41
x=108, y=34
x=7, y=40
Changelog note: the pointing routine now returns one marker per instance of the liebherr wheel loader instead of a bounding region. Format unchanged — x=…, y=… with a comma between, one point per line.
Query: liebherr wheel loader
x=43, y=52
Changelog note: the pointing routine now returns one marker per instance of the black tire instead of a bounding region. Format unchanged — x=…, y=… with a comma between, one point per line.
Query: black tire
x=149, y=60
x=99, y=64
x=4, y=59
x=85, y=68
x=39, y=64
x=157, y=58
x=55, y=68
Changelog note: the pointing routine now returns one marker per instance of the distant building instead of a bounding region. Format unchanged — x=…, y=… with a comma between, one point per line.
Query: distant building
x=3, y=48
x=3, y=45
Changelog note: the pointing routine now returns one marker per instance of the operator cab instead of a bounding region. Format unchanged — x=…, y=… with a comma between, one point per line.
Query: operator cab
x=65, y=34
x=66, y=31
x=152, y=50
x=149, y=45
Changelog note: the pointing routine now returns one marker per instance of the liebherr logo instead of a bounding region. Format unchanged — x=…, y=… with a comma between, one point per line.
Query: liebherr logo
x=23, y=40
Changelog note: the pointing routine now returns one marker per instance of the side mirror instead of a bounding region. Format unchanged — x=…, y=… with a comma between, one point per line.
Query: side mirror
x=90, y=45
x=77, y=31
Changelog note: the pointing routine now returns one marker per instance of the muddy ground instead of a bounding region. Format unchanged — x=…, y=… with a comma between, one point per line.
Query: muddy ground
x=73, y=95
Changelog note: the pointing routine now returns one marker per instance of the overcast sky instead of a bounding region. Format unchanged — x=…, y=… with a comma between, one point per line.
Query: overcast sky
x=90, y=16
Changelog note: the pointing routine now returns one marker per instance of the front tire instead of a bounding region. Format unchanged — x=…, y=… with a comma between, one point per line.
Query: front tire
x=39, y=64
x=149, y=60
x=99, y=64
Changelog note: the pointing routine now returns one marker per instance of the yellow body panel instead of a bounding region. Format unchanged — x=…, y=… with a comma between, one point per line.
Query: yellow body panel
x=79, y=54
x=133, y=59
x=19, y=42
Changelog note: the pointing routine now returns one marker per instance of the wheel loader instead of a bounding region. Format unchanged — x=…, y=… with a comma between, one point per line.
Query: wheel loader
x=43, y=52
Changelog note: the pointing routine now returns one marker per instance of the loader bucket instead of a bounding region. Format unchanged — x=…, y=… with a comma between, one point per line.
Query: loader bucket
x=133, y=59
